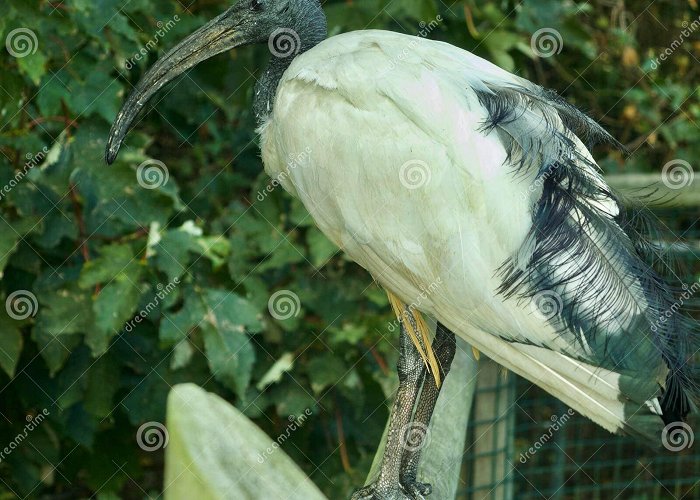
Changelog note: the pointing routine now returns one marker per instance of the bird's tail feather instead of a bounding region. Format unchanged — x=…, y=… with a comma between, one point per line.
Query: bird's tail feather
x=619, y=403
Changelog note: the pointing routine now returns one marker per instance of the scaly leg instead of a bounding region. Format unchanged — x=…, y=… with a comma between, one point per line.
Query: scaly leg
x=444, y=347
x=411, y=371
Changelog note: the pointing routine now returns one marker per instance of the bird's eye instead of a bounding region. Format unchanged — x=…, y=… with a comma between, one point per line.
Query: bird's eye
x=256, y=5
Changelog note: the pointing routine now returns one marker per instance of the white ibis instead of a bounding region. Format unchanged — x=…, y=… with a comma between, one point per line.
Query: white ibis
x=469, y=195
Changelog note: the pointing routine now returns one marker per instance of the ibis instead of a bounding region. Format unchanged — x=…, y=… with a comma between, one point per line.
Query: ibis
x=470, y=195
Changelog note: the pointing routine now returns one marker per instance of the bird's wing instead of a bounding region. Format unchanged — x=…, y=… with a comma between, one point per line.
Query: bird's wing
x=584, y=252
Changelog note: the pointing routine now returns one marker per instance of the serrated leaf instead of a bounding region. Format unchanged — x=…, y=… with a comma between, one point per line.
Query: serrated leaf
x=113, y=307
x=175, y=326
x=230, y=356
x=114, y=261
x=230, y=312
x=65, y=311
x=33, y=65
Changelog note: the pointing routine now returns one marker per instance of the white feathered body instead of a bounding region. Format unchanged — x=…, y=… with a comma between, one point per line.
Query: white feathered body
x=380, y=136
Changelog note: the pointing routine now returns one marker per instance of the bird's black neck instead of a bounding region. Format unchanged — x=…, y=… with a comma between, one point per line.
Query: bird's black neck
x=285, y=46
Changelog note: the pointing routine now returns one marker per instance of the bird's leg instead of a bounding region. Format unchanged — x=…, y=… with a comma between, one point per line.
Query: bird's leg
x=411, y=371
x=444, y=347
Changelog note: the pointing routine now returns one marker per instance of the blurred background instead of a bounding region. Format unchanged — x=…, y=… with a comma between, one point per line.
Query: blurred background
x=182, y=263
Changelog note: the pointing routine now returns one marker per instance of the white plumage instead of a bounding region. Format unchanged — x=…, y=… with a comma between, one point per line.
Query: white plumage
x=432, y=202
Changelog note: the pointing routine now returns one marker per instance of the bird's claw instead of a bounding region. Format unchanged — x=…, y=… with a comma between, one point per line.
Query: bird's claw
x=412, y=490
x=375, y=491
x=415, y=490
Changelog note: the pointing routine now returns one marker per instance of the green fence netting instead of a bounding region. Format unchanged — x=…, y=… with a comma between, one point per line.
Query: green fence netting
x=574, y=458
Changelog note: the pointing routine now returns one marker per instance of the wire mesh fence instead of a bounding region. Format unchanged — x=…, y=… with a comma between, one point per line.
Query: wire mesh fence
x=526, y=444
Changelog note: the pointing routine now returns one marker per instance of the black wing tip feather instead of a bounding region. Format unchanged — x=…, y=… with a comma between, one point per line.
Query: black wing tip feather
x=631, y=238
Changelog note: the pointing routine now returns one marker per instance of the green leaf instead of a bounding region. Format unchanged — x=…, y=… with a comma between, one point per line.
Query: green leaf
x=182, y=355
x=33, y=65
x=324, y=371
x=321, y=248
x=65, y=311
x=114, y=261
x=283, y=365
x=10, y=344
x=175, y=326
x=8, y=245
x=116, y=303
x=173, y=252
x=230, y=312
x=102, y=384
x=230, y=356
x=228, y=348
x=55, y=351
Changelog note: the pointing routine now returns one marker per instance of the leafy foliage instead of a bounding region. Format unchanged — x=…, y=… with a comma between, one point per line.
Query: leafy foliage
x=137, y=289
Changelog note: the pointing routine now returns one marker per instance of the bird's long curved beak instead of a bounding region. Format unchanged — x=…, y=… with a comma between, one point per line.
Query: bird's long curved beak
x=217, y=36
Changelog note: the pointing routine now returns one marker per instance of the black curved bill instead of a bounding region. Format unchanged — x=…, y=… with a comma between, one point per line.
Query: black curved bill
x=217, y=36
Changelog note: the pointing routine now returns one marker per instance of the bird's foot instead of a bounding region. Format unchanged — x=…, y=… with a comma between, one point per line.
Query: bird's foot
x=406, y=491
x=415, y=490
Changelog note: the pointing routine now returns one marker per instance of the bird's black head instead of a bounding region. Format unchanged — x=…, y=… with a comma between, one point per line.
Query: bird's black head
x=289, y=27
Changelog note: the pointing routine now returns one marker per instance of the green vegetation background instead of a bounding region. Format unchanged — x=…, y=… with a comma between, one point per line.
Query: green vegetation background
x=95, y=248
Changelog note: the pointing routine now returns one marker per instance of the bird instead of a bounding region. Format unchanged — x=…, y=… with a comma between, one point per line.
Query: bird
x=472, y=197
